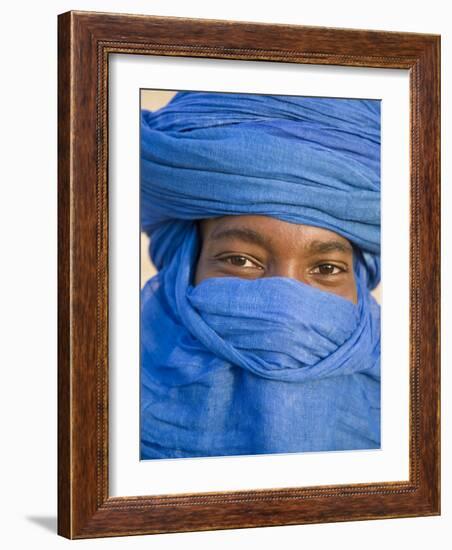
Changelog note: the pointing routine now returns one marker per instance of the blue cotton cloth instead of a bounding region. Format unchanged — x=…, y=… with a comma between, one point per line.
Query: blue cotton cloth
x=233, y=366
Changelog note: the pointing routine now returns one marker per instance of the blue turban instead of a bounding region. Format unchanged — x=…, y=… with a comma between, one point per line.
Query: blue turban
x=233, y=366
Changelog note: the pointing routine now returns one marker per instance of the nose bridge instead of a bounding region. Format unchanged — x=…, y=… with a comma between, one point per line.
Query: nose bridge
x=288, y=267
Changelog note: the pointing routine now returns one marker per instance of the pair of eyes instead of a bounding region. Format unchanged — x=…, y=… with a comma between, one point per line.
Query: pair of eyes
x=244, y=262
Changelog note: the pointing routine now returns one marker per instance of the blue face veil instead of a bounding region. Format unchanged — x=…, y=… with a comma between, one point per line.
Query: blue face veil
x=234, y=366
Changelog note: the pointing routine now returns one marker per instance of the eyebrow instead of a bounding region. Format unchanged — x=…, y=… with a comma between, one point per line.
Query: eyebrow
x=250, y=236
x=243, y=233
x=322, y=247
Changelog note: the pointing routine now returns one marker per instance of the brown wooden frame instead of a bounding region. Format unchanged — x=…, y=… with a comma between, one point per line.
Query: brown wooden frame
x=85, y=41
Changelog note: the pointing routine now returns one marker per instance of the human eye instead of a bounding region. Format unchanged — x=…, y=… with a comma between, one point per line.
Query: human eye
x=240, y=261
x=327, y=269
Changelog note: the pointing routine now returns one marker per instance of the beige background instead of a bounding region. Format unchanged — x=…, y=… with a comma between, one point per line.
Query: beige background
x=153, y=100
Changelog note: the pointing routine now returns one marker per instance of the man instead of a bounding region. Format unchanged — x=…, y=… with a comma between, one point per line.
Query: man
x=260, y=246
x=259, y=333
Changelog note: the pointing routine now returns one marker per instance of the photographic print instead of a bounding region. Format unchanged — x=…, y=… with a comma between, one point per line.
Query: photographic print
x=231, y=196
x=260, y=274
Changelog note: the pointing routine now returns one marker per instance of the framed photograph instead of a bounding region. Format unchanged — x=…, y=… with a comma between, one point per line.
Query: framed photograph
x=248, y=275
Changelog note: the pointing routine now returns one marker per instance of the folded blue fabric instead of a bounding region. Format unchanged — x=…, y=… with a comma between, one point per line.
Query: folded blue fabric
x=234, y=366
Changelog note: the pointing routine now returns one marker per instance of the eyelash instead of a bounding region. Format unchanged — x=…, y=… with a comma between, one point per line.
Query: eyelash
x=227, y=259
x=340, y=269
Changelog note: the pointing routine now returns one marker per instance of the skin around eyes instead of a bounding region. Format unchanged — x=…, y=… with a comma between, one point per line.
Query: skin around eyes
x=252, y=247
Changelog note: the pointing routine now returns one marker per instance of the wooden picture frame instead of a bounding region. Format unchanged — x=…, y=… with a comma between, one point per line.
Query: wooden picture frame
x=85, y=42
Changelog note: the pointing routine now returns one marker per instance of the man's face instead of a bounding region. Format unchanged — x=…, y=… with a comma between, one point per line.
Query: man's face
x=252, y=247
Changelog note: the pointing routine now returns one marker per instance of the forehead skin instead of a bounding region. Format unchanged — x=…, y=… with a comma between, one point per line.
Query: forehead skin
x=252, y=247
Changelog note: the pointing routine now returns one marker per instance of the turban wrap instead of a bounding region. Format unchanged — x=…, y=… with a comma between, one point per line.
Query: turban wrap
x=234, y=366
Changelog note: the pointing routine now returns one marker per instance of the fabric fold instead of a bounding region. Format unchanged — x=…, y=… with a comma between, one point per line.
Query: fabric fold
x=272, y=365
